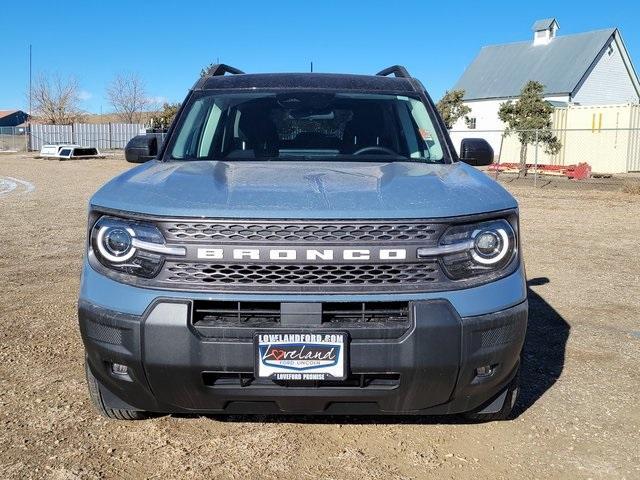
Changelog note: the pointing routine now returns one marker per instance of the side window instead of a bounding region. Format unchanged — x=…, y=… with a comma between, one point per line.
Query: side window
x=409, y=131
x=210, y=127
x=189, y=128
x=426, y=130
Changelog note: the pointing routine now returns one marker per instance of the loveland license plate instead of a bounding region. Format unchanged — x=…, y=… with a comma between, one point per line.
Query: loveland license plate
x=301, y=356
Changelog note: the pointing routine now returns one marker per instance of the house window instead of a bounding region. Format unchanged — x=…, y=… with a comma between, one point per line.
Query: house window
x=471, y=122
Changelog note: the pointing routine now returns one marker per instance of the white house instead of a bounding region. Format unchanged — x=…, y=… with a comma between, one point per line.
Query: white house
x=591, y=68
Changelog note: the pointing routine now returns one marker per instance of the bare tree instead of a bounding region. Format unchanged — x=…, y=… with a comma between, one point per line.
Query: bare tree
x=56, y=99
x=127, y=94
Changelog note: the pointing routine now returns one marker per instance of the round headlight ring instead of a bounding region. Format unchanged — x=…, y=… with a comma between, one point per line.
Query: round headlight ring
x=110, y=241
x=501, y=240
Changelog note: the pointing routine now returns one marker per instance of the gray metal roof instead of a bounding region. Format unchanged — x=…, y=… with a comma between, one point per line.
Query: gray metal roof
x=500, y=71
x=543, y=24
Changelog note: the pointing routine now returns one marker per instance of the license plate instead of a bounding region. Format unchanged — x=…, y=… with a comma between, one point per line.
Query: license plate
x=301, y=356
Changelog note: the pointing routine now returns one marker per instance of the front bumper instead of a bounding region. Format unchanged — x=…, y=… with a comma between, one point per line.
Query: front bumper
x=430, y=369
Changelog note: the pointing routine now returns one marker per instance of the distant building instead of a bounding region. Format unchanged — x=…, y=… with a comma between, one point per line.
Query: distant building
x=591, y=68
x=13, y=118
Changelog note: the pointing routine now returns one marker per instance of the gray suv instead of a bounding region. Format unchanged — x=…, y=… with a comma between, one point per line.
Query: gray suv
x=304, y=243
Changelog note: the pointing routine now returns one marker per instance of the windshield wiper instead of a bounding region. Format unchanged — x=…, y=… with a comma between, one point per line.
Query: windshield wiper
x=313, y=158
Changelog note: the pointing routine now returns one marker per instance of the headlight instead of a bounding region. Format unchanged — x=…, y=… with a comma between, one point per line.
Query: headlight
x=491, y=244
x=129, y=247
x=114, y=242
x=486, y=249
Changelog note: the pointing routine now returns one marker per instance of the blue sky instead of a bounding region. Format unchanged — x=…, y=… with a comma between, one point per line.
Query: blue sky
x=167, y=43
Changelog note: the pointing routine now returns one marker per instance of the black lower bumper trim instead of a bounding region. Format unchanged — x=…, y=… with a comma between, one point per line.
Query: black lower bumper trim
x=431, y=369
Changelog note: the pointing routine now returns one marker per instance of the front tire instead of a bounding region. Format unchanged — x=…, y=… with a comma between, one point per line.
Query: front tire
x=98, y=401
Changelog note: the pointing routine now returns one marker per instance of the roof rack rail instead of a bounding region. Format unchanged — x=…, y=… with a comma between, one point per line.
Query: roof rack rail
x=397, y=70
x=220, y=69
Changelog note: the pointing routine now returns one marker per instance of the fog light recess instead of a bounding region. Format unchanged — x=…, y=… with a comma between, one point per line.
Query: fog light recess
x=119, y=369
x=485, y=371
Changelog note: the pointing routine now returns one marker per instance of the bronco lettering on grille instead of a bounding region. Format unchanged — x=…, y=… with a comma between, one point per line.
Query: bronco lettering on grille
x=312, y=254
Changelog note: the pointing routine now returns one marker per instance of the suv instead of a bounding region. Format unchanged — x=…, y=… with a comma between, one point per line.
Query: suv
x=304, y=243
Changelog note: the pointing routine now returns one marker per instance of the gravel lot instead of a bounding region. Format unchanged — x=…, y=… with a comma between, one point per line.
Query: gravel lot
x=578, y=416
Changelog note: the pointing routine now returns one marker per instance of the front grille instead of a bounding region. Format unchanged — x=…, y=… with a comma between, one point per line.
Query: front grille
x=365, y=312
x=245, y=314
x=227, y=319
x=293, y=232
x=267, y=314
x=297, y=277
x=338, y=274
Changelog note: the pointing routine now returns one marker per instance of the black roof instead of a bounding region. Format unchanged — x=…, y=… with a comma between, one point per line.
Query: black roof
x=330, y=81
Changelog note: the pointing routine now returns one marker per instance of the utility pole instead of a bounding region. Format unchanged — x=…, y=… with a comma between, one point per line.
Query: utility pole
x=28, y=135
x=30, y=62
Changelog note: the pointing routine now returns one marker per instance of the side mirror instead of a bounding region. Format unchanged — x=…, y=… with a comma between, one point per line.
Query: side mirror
x=141, y=148
x=476, y=152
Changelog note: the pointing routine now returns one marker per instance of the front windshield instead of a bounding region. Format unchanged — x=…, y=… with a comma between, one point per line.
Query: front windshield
x=306, y=125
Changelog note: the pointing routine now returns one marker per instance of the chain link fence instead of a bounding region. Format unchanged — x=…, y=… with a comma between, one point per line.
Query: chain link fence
x=13, y=139
x=601, y=153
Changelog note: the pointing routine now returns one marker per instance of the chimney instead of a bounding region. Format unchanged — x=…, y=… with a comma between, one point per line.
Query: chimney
x=544, y=31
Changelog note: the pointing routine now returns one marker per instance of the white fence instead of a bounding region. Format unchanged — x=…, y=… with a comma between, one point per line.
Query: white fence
x=103, y=136
x=607, y=137
x=605, y=150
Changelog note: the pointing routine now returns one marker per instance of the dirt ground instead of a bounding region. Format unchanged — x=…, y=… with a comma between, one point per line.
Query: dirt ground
x=578, y=415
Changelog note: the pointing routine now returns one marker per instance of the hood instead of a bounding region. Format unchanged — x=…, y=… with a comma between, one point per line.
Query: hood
x=304, y=190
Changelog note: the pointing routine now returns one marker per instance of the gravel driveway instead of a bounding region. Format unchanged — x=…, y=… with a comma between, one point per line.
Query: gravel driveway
x=578, y=415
